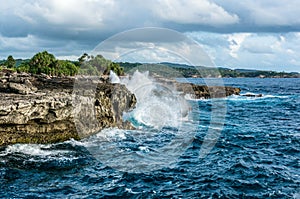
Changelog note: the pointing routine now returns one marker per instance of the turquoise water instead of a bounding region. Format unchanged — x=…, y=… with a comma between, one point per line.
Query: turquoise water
x=256, y=156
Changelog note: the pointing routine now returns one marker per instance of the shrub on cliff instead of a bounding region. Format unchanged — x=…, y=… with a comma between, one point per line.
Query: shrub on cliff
x=67, y=68
x=10, y=62
x=44, y=62
x=98, y=65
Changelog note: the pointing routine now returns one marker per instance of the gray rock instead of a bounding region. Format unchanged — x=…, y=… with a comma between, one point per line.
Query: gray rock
x=21, y=88
x=43, y=110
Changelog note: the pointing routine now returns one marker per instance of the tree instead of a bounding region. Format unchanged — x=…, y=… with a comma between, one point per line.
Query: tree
x=66, y=68
x=42, y=62
x=10, y=62
x=24, y=67
x=98, y=65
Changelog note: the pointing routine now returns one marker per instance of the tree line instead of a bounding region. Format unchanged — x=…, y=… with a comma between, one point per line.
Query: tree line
x=177, y=70
x=46, y=63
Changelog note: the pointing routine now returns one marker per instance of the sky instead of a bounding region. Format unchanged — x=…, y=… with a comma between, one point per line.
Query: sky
x=252, y=34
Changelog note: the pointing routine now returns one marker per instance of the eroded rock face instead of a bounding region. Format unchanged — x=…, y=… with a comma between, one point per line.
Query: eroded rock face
x=38, y=109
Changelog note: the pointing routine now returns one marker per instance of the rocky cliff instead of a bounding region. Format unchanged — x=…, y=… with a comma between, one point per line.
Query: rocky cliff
x=40, y=109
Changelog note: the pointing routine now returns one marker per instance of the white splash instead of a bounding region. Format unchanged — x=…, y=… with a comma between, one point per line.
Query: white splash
x=32, y=150
x=158, y=105
x=113, y=77
x=248, y=96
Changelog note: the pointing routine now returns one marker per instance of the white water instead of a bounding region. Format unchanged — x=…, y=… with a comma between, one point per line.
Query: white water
x=158, y=105
x=29, y=149
x=243, y=97
x=113, y=77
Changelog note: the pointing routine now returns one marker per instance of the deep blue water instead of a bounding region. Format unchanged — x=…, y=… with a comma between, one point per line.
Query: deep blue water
x=256, y=156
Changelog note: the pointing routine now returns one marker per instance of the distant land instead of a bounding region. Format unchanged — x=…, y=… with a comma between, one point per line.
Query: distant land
x=174, y=70
x=168, y=69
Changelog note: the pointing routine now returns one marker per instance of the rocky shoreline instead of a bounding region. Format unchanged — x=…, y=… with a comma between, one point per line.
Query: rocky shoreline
x=43, y=109
x=40, y=109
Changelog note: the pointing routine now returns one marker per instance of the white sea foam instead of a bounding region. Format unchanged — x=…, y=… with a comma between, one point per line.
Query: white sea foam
x=157, y=105
x=275, y=96
x=254, y=96
x=32, y=150
x=112, y=134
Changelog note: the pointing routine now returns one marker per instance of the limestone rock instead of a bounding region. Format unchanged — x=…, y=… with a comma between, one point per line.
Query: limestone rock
x=38, y=109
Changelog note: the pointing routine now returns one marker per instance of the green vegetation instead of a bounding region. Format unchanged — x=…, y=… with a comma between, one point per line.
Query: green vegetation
x=46, y=63
x=98, y=65
x=10, y=62
x=179, y=70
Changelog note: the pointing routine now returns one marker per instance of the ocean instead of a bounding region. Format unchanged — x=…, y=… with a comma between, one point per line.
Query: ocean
x=235, y=147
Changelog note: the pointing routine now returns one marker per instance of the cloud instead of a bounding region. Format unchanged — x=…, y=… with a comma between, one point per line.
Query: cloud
x=78, y=15
x=279, y=52
x=248, y=33
x=273, y=13
x=92, y=20
x=26, y=47
x=153, y=45
x=236, y=41
x=202, y=12
x=264, y=16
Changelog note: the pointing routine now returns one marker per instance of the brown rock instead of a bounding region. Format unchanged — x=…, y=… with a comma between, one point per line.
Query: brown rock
x=206, y=92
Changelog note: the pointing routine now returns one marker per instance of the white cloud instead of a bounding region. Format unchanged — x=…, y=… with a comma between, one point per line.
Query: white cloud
x=193, y=12
x=79, y=15
x=279, y=52
x=236, y=40
x=183, y=52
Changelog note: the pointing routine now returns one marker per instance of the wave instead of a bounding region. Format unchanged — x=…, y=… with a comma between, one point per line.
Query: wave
x=68, y=151
x=32, y=150
x=157, y=106
x=63, y=149
x=254, y=96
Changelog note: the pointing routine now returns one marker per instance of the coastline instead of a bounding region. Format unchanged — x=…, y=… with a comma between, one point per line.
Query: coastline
x=44, y=109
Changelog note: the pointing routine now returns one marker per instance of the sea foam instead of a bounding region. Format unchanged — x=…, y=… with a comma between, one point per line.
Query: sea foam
x=157, y=106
